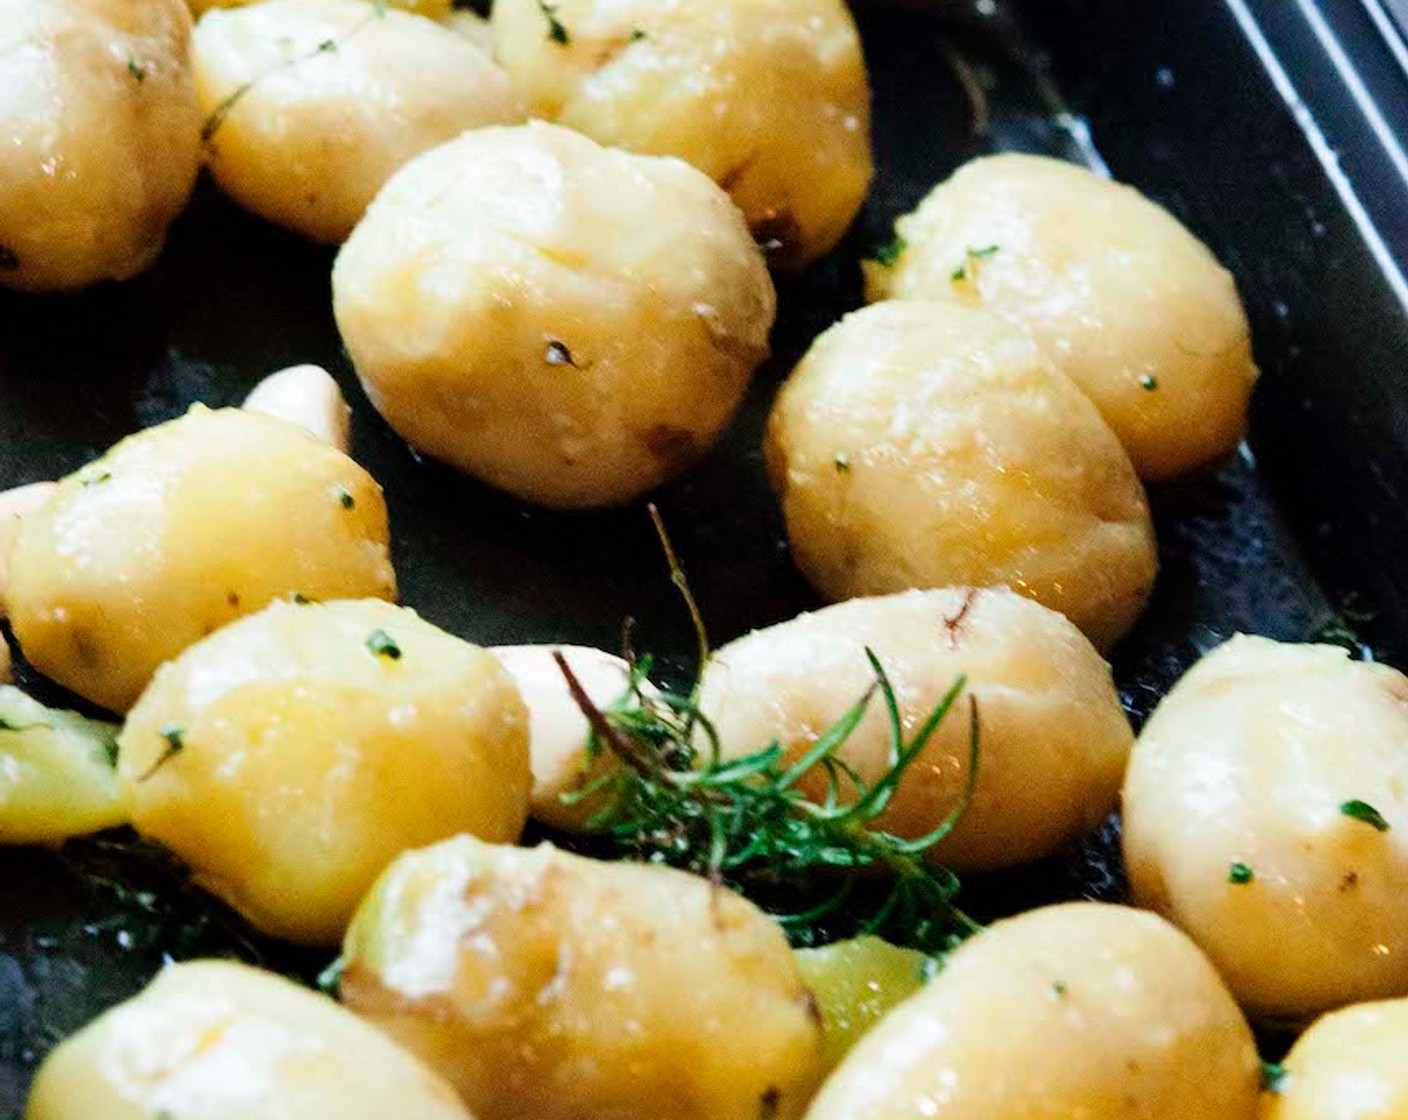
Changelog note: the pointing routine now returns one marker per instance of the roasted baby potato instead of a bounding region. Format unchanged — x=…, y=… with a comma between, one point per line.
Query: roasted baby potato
x=1045, y=699
x=930, y=445
x=766, y=97
x=58, y=773
x=305, y=133
x=1123, y=299
x=552, y=987
x=180, y=529
x=569, y=323
x=432, y=9
x=1266, y=813
x=1348, y=1066
x=101, y=137
x=291, y=756
x=223, y=1041
x=1082, y=1010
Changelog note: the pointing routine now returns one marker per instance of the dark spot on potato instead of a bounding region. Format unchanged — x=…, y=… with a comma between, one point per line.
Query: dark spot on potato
x=670, y=444
x=233, y=598
x=1349, y=882
x=734, y=175
x=769, y=1103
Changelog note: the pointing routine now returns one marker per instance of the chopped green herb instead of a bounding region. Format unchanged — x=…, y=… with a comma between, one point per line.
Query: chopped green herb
x=1239, y=873
x=637, y=35
x=886, y=255
x=558, y=355
x=344, y=496
x=175, y=738
x=1149, y=382
x=300, y=599
x=95, y=479
x=557, y=33
x=9, y=259
x=329, y=981
x=383, y=645
x=137, y=70
x=327, y=46
x=1058, y=989
x=969, y=268
x=1273, y=1076
x=843, y=463
x=1363, y=811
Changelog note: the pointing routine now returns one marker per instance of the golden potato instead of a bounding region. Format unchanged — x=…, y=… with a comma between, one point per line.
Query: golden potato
x=307, y=396
x=1123, y=299
x=432, y=9
x=1083, y=1010
x=471, y=25
x=216, y=1040
x=58, y=774
x=558, y=730
x=291, y=756
x=1046, y=701
x=15, y=506
x=180, y=529
x=1348, y=1066
x=569, y=323
x=545, y=986
x=766, y=97
x=101, y=137
x=305, y=134
x=856, y=983
x=928, y=445
x=1266, y=812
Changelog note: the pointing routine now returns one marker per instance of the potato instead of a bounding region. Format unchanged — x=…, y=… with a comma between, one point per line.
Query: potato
x=856, y=983
x=471, y=25
x=1240, y=823
x=216, y=1040
x=929, y=445
x=766, y=97
x=57, y=773
x=15, y=506
x=558, y=731
x=291, y=756
x=309, y=397
x=180, y=529
x=1348, y=1066
x=432, y=9
x=545, y=986
x=101, y=137
x=569, y=323
x=1046, y=702
x=312, y=104
x=1082, y=1010
x=1123, y=299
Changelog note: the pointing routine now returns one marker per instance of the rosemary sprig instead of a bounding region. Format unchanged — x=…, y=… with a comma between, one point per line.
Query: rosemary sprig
x=744, y=822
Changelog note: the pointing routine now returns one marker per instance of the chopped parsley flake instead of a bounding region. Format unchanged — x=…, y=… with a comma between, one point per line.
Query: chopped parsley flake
x=175, y=738
x=637, y=35
x=1058, y=989
x=137, y=70
x=557, y=32
x=1149, y=382
x=383, y=645
x=843, y=463
x=969, y=268
x=1363, y=811
x=1239, y=873
x=1273, y=1076
x=344, y=496
x=886, y=255
x=558, y=354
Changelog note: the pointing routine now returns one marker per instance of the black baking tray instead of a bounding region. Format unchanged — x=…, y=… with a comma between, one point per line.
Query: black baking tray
x=1223, y=110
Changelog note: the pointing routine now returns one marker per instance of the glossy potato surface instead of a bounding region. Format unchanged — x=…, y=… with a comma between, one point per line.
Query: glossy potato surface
x=1348, y=1066
x=216, y=1040
x=180, y=529
x=1120, y=296
x=317, y=743
x=569, y=323
x=1250, y=759
x=546, y=986
x=433, y=9
x=1076, y=1012
x=101, y=137
x=930, y=444
x=1047, y=706
x=317, y=130
x=767, y=97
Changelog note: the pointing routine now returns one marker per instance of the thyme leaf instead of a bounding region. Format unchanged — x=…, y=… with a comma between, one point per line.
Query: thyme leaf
x=557, y=31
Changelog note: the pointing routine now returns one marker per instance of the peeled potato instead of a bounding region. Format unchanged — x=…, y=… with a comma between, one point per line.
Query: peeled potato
x=1240, y=825
x=309, y=397
x=101, y=137
x=180, y=529
x=433, y=9
x=856, y=983
x=929, y=445
x=1083, y=1010
x=223, y=1041
x=15, y=506
x=766, y=97
x=1045, y=698
x=1348, y=1066
x=293, y=755
x=568, y=323
x=558, y=729
x=546, y=986
x=330, y=98
x=1123, y=299
x=58, y=773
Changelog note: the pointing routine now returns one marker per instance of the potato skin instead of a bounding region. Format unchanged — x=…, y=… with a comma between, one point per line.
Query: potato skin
x=1348, y=1066
x=767, y=97
x=1120, y=296
x=1080, y=1011
x=1046, y=701
x=309, y=761
x=568, y=323
x=546, y=986
x=930, y=445
x=224, y=1041
x=101, y=130
x=180, y=529
x=317, y=132
x=1249, y=758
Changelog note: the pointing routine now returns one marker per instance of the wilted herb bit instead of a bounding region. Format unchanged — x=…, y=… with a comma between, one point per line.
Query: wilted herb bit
x=637, y=35
x=557, y=354
x=1239, y=873
x=842, y=463
x=1363, y=811
x=137, y=70
x=383, y=645
x=329, y=981
x=886, y=255
x=1148, y=382
x=1273, y=1076
x=969, y=268
x=557, y=32
x=344, y=496
x=175, y=738
x=95, y=479
x=743, y=822
x=1058, y=989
